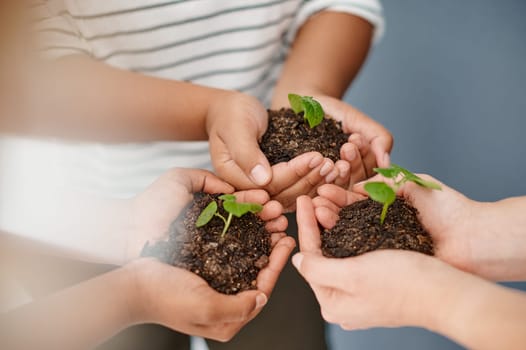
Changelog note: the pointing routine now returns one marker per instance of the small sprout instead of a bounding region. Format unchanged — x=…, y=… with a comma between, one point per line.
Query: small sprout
x=232, y=207
x=312, y=110
x=385, y=194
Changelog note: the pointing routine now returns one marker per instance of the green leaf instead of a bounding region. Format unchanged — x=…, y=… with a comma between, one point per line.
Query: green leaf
x=380, y=192
x=313, y=111
x=410, y=176
x=389, y=173
x=227, y=197
x=240, y=209
x=295, y=103
x=427, y=184
x=207, y=214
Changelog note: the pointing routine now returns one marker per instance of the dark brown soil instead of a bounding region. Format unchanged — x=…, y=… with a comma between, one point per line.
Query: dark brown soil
x=288, y=135
x=358, y=230
x=229, y=265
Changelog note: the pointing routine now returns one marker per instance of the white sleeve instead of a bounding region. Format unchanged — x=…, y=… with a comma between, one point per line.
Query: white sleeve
x=55, y=31
x=370, y=10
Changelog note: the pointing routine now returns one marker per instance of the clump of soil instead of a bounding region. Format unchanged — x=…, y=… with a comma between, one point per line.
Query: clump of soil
x=288, y=135
x=358, y=230
x=229, y=264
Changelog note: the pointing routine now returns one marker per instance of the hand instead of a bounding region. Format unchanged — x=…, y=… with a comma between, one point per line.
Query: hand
x=301, y=175
x=461, y=233
x=369, y=144
x=383, y=288
x=183, y=301
x=153, y=211
x=234, y=124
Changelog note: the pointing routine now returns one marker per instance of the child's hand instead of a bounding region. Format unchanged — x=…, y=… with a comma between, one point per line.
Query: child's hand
x=153, y=211
x=382, y=288
x=369, y=144
x=234, y=124
x=183, y=301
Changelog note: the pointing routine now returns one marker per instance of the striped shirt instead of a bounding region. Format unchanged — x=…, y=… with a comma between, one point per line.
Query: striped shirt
x=238, y=45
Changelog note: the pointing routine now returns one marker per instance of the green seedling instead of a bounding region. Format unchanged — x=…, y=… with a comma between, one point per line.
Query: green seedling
x=385, y=194
x=231, y=206
x=312, y=110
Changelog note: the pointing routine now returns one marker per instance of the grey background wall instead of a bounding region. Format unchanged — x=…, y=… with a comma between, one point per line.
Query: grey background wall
x=449, y=80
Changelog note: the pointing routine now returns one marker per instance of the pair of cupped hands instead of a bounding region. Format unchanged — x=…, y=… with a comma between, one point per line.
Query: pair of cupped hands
x=182, y=300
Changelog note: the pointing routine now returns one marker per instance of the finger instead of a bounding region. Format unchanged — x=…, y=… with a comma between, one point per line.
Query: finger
x=196, y=180
x=344, y=173
x=271, y=210
x=279, y=224
x=268, y=276
x=338, y=195
x=304, y=185
x=353, y=154
x=322, y=271
x=232, y=308
x=275, y=237
x=320, y=201
x=252, y=196
x=288, y=173
x=326, y=217
x=308, y=231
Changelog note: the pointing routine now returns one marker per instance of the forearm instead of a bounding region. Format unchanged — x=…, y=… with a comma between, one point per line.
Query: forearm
x=77, y=97
x=77, y=318
x=498, y=239
x=480, y=315
x=326, y=55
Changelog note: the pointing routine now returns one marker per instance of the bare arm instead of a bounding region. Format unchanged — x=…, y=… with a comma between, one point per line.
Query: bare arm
x=480, y=315
x=326, y=55
x=77, y=97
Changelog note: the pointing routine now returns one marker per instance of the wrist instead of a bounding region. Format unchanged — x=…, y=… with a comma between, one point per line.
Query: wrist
x=137, y=296
x=213, y=113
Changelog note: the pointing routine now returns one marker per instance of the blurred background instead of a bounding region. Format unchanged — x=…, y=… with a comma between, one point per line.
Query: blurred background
x=449, y=80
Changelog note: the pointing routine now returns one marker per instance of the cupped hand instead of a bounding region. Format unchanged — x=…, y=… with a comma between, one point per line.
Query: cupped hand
x=183, y=301
x=234, y=124
x=384, y=288
x=369, y=144
x=153, y=211
x=447, y=215
x=301, y=175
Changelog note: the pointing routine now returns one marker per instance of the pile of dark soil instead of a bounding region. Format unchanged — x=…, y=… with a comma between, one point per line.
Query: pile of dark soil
x=289, y=135
x=229, y=265
x=358, y=230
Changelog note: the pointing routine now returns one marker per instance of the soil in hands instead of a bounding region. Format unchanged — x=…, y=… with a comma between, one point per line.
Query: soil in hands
x=288, y=135
x=358, y=230
x=229, y=264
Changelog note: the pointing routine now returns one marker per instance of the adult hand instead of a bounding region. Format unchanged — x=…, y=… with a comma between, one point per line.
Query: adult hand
x=183, y=301
x=464, y=231
x=379, y=289
x=153, y=211
x=369, y=144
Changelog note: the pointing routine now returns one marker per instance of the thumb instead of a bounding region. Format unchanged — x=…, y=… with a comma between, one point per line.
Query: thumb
x=239, y=307
x=235, y=150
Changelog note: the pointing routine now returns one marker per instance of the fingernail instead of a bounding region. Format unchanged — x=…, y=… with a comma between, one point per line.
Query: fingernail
x=326, y=168
x=259, y=175
x=261, y=300
x=386, y=160
x=350, y=154
x=296, y=260
x=315, y=161
x=332, y=176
